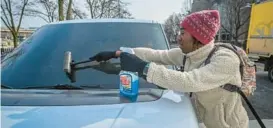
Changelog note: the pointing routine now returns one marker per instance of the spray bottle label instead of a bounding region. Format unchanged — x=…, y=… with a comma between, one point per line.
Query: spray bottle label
x=129, y=84
x=126, y=83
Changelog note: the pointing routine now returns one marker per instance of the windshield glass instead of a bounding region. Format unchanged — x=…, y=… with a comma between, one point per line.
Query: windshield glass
x=38, y=61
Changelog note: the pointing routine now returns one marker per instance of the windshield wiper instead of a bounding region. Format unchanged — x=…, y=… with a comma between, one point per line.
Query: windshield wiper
x=5, y=86
x=66, y=87
x=92, y=86
x=58, y=86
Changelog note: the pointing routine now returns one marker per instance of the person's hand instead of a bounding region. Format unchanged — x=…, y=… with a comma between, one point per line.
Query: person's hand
x=104, y=56
x=130, y=62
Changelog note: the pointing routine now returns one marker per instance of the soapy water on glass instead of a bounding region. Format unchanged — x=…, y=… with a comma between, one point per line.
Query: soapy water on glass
x=129, y=81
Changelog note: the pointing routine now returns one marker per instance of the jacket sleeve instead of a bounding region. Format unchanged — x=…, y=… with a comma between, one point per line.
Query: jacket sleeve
x=166, y=57
x=222, y=68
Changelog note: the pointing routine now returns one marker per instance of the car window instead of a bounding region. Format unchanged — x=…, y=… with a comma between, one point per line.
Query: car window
x=38, y=60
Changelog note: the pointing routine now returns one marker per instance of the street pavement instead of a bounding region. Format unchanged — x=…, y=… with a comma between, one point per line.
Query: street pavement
x=262, y=100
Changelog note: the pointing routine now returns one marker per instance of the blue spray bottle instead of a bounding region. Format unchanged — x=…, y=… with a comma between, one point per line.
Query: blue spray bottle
x=129, y=81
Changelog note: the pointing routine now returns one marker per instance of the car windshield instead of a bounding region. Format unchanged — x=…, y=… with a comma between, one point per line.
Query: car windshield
x=38, y=60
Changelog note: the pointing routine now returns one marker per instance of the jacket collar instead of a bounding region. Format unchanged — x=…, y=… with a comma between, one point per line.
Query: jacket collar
x=202, y=52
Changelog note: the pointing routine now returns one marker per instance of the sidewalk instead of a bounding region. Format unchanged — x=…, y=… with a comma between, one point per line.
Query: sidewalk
x=267, y=122
x=252, y=124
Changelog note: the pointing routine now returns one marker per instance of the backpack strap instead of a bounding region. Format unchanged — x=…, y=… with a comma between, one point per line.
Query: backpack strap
x=207, y=61
x=182, y=68
x=231, y=87
x=216, y=47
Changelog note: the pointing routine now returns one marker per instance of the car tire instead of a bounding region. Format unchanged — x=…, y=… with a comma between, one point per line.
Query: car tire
x=270, y=73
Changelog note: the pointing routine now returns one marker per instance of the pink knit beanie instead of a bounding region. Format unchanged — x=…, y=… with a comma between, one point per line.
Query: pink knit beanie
x=202, y=25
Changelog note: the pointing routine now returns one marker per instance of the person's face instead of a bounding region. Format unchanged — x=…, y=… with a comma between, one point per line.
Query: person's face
x=185, y=41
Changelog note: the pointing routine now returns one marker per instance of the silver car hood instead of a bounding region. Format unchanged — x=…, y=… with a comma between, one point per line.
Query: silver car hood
x=172, y=110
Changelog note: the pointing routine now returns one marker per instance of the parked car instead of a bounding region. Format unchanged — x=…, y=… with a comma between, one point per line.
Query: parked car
x=37, y=93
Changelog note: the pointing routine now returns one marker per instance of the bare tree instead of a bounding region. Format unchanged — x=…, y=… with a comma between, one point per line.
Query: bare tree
x=236, y=18
x=73, y=11
x=171, y=27
x=12, y=14
x=78, y=13
x=51, y=11
x=61, y=9
x=108, y=9
x=203, y=4
x=69, y=11
x=44, y=9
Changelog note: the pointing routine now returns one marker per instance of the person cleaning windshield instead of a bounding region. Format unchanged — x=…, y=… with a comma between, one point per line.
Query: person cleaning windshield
x=217, y=108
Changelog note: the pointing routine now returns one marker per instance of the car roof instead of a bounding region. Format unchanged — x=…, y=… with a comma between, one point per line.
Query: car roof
x=104, y=21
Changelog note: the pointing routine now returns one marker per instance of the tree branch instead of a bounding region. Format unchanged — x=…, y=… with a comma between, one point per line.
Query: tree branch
x=228, y=31
x=40, y=16
x=69, y=10
x=91, y=5
x=52, y=16
x=6, y=17
x=47, y=8
x=22, y=14
x=102, y=8
x=61, y=13
x=9, y=10
x=242, y=33
x=245, y=21
x=35, y=12
x=47, y=12
x=44, y=19
x=107, y=8
x=241, y=3
x=225, y=28
x=6, y=24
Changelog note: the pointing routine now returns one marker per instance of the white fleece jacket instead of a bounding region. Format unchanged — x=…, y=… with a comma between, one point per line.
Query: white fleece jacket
x=217, y=107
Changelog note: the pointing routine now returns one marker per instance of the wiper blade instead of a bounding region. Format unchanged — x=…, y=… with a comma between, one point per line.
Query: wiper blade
x=92, y=86
x=66, y=87
x=58, y=86
x=5, y=86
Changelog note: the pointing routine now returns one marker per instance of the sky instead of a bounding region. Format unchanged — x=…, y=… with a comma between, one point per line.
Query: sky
x=157, y=10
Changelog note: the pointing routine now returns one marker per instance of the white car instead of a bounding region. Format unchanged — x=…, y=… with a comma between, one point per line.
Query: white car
x=37, y=93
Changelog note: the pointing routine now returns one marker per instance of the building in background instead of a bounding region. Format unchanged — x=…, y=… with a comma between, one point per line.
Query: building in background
x=198, y=5
x=7, y=39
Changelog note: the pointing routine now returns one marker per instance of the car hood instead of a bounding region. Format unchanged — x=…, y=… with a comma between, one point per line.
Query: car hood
x=170, y=110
